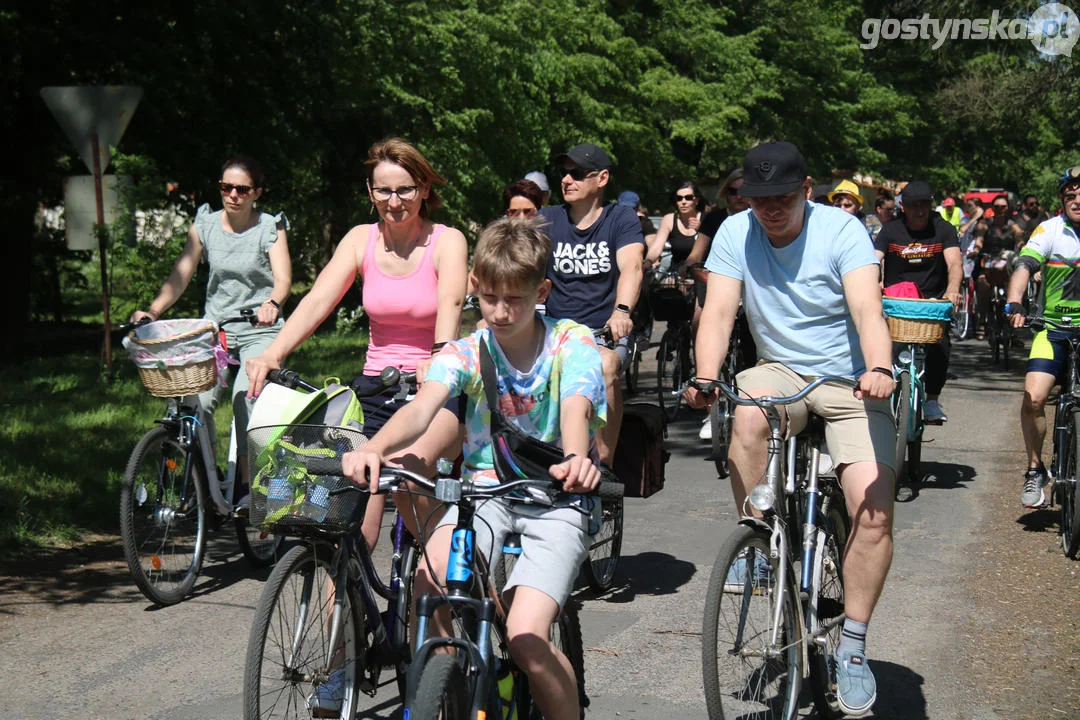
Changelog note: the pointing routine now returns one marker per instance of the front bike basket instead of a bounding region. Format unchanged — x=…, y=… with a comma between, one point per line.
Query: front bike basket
x=295, y=471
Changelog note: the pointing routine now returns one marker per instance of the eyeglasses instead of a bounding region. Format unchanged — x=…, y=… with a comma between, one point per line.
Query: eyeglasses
x=685, y=198
x=521, y=212
x=577, y=174
x=405, y=193
x=241, y=190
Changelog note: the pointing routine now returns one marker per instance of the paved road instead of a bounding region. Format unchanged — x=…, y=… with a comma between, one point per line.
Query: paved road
x=80, y=642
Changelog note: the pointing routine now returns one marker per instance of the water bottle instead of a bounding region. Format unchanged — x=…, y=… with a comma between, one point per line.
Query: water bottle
x=317, y=503
x=505, y=682
x=279, y=491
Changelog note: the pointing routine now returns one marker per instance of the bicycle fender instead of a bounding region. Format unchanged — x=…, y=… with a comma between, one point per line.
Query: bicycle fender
x=756, y=524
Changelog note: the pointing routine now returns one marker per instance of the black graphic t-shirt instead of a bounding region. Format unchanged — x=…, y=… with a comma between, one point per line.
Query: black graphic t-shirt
x=582, y=267
x=917, y=257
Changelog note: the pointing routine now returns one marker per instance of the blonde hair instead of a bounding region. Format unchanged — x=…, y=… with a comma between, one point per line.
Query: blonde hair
x=400, y=152
x=511, y=252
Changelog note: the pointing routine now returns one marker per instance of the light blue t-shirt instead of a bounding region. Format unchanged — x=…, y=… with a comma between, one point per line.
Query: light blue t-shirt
x=794, y=296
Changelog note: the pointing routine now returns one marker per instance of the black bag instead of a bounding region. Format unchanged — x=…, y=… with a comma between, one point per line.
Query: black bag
x=517, y=455
x=640, y=455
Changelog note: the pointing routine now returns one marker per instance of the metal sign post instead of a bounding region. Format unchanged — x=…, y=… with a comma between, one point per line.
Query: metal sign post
x=94, y=119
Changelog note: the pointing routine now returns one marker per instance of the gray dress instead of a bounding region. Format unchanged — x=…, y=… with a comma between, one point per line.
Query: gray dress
x=240, y=279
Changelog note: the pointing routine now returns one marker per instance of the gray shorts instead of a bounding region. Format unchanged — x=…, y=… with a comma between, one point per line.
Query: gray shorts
x=553, y=543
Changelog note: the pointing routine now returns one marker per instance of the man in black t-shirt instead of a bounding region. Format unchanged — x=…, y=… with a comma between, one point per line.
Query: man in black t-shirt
x=922, y=248
x=595, y=266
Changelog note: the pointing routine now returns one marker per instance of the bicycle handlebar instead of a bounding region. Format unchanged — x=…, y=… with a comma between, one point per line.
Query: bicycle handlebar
x=389, y=377
x=767, y=400
x=1039, y=322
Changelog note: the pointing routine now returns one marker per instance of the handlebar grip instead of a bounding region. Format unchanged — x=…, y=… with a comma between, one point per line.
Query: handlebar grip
x=324, y=466
x=290, y=379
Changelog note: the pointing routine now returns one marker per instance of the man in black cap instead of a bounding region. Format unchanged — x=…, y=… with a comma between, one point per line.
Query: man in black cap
x=595, y=266
x=921, y=247
x=808, y=278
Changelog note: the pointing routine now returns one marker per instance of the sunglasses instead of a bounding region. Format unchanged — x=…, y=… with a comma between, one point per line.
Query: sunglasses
x=521, y=212
x=241, y=190
x=1002, y=208
x=685, y=198
x=576, y=174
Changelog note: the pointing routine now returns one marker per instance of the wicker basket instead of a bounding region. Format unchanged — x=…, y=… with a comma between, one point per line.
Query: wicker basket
x=171, y=376
x=906, y=326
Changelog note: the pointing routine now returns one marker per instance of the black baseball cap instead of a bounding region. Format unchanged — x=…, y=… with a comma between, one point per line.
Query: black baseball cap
x=915, y=191
x=821, y=193
x=774, y=168
x=586, y=156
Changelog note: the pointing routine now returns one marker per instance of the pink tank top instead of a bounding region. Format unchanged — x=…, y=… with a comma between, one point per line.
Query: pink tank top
x=401, y=309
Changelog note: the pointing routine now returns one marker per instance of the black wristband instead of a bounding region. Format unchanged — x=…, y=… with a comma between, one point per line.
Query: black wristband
x=883, y=371
x=437, y=347
x=623, y=308
x=567, y=457
x=274, y=302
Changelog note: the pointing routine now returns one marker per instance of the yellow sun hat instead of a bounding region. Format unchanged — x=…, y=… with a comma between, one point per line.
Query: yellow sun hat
x=846, y=187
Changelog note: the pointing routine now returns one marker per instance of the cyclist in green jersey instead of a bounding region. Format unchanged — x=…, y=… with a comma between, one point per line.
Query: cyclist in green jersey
x=1054, y=246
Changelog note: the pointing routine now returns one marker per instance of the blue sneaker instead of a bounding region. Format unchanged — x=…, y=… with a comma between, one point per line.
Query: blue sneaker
x=327, y=699
x=762, y=574
x=856, y=689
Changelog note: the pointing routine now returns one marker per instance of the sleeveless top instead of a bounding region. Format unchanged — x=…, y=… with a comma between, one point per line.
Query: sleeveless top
x=401, y=309
x=998, y=238
x=239, y=263
x=681, y=245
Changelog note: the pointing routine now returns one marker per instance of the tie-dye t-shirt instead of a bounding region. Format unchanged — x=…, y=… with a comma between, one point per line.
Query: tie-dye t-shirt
x=569, y=365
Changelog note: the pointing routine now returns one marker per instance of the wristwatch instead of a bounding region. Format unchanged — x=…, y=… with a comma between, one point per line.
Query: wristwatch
x=623, y=308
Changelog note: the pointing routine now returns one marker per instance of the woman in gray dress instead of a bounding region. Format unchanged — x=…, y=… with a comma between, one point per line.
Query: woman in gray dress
x=248, y=257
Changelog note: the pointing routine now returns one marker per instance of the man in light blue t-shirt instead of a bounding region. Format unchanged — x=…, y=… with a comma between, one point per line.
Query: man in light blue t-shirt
x=807, y=276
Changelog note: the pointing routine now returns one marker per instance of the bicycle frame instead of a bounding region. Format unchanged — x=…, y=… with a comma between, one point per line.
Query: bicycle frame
x=190, y=418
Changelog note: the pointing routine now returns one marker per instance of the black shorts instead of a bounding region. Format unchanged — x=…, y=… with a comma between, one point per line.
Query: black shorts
x=379, y=408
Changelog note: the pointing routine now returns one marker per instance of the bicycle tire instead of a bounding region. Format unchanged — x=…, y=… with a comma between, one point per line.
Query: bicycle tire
x=162, y=533
x=606, y=545
x=1006, y=344
x=1068, y=496
x=732, y=687
x=829, y=591
x=442, y=691
x=289, y=640
x=914, y=448
x=902, y=415
x=721, y=415
x=962, y=324
x=633, y=363
x=401, y=638
x=663, y=365
x=260, y=548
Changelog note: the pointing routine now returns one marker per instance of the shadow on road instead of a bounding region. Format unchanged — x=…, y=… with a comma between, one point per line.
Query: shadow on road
x=900, y=692
x=946, y=476
x=648, y=573
x=1040, y=521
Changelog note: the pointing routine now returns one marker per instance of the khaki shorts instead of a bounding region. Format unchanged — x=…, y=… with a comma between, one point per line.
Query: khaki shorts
x=855, y=430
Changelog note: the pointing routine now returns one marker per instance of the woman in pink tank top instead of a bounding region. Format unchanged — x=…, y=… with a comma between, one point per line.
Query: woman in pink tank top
x=413, y=277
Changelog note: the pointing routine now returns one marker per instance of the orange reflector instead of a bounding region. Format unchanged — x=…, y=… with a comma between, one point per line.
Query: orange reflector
x=171, y=464
x=481, y=715
x=155, y=560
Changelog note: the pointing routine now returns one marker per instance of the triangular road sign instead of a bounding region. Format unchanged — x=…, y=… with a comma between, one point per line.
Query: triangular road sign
x=80, y=111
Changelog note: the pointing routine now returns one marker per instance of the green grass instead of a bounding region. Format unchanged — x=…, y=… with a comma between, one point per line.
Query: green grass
x=66, y=436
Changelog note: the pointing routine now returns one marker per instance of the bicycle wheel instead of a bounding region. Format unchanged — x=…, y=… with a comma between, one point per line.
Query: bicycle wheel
x=163, y=516
x=665, y=368
x=962, y=323
x=606, y=544
x=402, y=641
x=442, y=692
x=1067, y=493
x=289, y=646
x=745, y=675
x=914, y=448
x=901, y=404
x=259, y=547
x=826, y=613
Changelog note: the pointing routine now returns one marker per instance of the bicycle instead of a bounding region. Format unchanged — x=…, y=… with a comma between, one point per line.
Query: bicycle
x=913, y=324
x=999, y=330
x=466, y=684
x=964, y=322
x=1065, y=464
x=672, y=300
x=787, y=605
x=173, y=490
x=318, y=637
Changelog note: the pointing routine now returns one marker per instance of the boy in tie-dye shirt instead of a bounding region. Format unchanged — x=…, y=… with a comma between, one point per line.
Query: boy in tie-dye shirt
x=550, y=384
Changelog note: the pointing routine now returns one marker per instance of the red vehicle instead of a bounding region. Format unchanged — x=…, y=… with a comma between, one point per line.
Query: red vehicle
x=987, y=195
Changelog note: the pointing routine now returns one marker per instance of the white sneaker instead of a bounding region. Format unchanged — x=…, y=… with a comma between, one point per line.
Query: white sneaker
x=933, y=413
x=705, y=433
